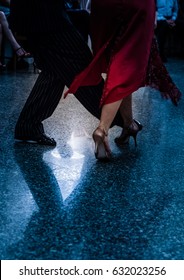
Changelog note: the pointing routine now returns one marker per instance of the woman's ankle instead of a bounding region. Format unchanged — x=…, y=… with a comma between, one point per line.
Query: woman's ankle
x=127, y=123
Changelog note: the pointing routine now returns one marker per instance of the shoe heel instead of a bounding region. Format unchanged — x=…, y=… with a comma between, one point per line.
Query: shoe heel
x=140, y=126
x=135, y=139
x=129, y=132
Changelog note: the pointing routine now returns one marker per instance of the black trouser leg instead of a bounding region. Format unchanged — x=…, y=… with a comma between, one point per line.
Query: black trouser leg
x=81, y=20
x=40, y=105
x=162, y=32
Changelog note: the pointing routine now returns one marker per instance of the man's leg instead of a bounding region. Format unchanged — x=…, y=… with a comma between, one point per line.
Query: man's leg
x=40, y=105
x=81, y=20
x=162, y=35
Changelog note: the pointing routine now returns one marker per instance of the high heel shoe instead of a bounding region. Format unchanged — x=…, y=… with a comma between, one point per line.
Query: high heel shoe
x=102, y=149
x=21, y=53
x=132, y=130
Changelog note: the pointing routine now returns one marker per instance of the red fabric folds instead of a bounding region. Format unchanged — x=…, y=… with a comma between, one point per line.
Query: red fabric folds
x=158, y=77
x=122, y=38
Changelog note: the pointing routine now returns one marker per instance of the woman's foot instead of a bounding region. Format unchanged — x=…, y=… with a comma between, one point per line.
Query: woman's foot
x=102, y=149
x=20, y=52
x=131, y=130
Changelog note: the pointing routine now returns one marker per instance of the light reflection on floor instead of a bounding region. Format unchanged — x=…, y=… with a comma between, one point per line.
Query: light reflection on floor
x=67, y=171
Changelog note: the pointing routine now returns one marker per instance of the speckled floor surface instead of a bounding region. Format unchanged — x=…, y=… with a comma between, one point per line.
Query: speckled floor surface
x=62, y=204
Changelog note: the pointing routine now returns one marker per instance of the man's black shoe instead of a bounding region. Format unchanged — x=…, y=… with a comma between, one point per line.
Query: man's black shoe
x=41, y=140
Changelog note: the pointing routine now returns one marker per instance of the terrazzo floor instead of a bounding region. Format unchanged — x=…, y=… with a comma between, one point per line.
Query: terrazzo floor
x=60, y=203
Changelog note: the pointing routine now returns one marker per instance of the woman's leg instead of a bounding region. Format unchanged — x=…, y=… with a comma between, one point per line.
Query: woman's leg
x=108, y=114
x=109, y=111
x=8, y=32
x=20, y=52
x=126, y=111
x=102, y=149
x=131, y=126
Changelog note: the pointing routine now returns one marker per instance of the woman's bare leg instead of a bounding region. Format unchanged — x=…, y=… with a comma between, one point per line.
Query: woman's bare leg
x=8, y=32
x=108, y=114
x=109, y=111
x=20, y=52
x=131, y=127
x=102, y=149
x=126, y=111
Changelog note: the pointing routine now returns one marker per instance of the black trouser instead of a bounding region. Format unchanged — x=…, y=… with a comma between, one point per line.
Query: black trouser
x=60, y=57
x=162, y=32
x=81, y=20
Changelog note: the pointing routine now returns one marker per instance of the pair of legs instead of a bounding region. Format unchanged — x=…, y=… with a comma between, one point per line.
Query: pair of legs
x=130, y=127
x=110, y=110
x=4, y=28
x=60, y=57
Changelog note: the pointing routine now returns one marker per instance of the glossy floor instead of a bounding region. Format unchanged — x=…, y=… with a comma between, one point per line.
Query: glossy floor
x=62, y=204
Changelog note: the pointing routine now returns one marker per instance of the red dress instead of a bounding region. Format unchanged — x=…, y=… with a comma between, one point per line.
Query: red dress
x=122, y=35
